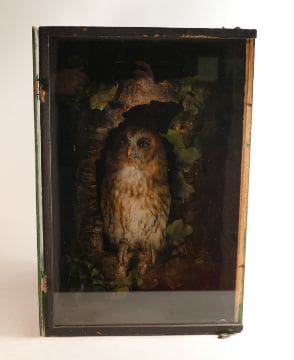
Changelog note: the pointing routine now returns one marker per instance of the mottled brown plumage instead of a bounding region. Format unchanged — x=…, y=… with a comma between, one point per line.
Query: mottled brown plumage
x=136, y=198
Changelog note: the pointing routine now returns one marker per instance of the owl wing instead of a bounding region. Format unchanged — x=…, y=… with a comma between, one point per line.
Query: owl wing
x=162, y=213
x=165, y=199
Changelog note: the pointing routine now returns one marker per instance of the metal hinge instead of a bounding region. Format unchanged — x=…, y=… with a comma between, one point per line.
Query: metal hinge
x=44, y=283
x=39, y=91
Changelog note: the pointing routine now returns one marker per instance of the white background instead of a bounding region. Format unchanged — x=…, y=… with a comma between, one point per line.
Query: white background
x=268, y=310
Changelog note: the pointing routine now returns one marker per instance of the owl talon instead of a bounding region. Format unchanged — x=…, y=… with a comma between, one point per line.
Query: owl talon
x=121, y=271
x=142, y=269
x=153, y=257
x=122, y=253
x=122, y=259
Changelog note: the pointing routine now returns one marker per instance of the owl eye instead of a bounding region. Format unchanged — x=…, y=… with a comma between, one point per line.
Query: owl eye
x=143, y=143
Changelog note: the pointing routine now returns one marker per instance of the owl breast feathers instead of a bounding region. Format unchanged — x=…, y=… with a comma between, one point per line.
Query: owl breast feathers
x=136, y=198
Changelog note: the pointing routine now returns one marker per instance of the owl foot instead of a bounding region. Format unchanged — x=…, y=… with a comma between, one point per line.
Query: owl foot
x=123, y=253
x=121, y=271
x=152, y=256
x=123, y=259
x=142, y=269
x=146, y=259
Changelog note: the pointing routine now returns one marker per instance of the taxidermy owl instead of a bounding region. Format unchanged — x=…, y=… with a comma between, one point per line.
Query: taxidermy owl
x=135, y=198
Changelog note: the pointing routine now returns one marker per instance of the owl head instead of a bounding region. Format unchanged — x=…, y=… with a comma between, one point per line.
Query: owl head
x=135, y=146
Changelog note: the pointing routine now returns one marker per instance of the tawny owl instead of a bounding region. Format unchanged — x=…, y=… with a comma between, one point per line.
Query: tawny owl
x=135, y=199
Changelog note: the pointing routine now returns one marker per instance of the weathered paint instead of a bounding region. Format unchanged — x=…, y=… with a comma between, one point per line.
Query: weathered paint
x=191, y=36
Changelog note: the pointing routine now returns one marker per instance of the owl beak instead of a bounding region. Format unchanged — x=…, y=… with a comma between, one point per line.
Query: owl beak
x=132, y=153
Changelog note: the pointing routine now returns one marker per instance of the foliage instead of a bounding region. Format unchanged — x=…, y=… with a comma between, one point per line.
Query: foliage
x=175, y=138
x=104, y=94
x=96, y=94
x=181, y=133
x=83, y=275
x=177, y=231
x=183, y=188
x=101, y=274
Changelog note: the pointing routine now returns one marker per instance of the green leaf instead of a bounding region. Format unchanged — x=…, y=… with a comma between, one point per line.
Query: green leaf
x=177, y=231
x=122, y=289
x=190, y=104
x=123, y=283
x=102, y=97
x=187, y=156
x=174, y=138
x=183, y=189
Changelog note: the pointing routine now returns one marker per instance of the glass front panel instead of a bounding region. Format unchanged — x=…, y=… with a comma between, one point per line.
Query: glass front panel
x=148, y=141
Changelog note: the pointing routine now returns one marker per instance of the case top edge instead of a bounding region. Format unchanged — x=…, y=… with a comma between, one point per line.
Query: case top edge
x=149, y=32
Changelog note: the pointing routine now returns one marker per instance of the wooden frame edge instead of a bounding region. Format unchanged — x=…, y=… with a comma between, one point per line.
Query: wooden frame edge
x=148, y=33
x=222, y=330
x=244, y=186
